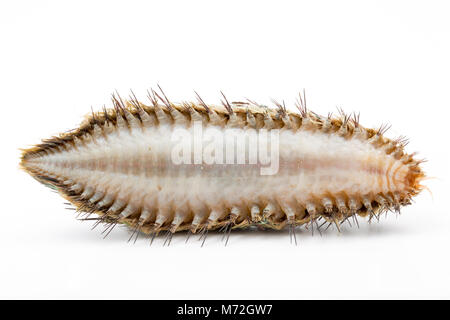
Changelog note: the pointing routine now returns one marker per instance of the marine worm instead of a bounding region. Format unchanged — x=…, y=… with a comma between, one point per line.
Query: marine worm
x=146, y=166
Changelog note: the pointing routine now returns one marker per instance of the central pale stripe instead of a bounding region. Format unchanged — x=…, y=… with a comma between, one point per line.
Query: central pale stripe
x=136, y=166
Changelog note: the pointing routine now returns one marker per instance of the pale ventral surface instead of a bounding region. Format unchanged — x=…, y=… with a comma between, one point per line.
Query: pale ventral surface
x=119, y=164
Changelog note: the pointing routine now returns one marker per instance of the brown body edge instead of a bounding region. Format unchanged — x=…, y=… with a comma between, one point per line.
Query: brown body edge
x=131, y=112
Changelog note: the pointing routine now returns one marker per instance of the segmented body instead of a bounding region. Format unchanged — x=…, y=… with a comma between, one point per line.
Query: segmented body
x=118, y=165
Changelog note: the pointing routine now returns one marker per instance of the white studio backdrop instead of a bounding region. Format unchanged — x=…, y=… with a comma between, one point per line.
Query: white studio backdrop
x=388, y=60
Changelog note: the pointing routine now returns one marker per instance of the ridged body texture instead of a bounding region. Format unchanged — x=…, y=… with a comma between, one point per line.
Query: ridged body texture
x=119, y=165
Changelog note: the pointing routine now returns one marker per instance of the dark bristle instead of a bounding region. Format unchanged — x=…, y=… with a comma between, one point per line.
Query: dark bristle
x=226, y=104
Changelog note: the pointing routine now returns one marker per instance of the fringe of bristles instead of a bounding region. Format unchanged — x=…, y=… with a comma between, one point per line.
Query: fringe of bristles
x=132, y=114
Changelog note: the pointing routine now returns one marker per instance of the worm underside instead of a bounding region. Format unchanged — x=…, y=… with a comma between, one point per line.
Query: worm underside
x=115, y=168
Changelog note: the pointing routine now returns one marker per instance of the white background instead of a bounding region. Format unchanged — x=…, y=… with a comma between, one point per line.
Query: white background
x=388, y=60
